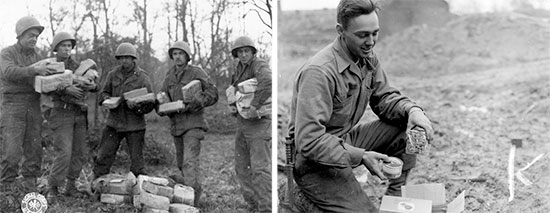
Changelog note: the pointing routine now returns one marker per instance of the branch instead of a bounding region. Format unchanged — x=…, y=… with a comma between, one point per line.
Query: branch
x=259, y=16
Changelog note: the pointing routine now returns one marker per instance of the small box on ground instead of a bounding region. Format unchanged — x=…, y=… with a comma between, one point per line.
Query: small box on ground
x=183, y=194
x=434, y=192
x=145, y=199
x=391, y=204
x=171, y=107
x=190, y=90
x=152, y=188
x=45, y=84
x=147, y=209
x=135, y=93
x=115, y=199
x=182, y=208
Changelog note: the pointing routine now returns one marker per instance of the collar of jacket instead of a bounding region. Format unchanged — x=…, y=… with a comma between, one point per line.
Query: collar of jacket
x=23, y=50
x=343, y=56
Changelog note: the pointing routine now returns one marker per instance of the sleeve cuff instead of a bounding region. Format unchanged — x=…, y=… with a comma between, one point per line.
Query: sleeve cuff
x=414, y=109
x=356, y=154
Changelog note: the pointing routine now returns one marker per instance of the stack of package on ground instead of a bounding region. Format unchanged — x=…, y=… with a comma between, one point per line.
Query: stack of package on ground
x=149, y=194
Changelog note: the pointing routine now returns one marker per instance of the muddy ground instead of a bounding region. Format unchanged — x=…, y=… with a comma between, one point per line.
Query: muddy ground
x=483, y=80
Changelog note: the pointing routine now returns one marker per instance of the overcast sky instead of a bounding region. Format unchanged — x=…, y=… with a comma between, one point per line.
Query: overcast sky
x=456, y=6
x=12, y=10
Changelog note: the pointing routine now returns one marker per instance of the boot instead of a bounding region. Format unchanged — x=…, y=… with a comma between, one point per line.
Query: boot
x=394, y=189
x=52, y=194
x=71, y=190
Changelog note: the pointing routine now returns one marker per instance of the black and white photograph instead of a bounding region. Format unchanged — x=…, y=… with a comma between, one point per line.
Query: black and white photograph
x=136, y=106
x=413, y=106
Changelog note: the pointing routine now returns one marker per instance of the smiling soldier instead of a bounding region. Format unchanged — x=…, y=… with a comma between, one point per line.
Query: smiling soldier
x=330, y=95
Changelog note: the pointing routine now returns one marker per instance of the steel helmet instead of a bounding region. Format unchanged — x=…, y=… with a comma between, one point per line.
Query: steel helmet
x=126, y=49
x=182, y=45
x=243, y=41
x=26, y=23
x=60, y=37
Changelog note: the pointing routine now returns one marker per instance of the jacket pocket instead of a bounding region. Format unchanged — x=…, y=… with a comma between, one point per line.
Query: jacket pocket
x=341, y=111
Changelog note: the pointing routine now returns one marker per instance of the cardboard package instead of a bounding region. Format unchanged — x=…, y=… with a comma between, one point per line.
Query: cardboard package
x=51, y=63
x=391, y=204
x=434, y=192
x=84, y=67
x=190, y=90
x=162, y=98
x=149, y=97
x=171, y=107
x=182, y=208
x=248, y=86
x=112, y=102
x=115, y=199
x=45, y=84
x=244, y=101
x=183, y=194
x=135, y=93
x=230, y=94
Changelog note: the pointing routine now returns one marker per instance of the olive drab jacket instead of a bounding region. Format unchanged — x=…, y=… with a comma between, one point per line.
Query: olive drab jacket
x=259, y=69
x=118, y=82
x=330, y=95
x=16, y=75
x=193, y=115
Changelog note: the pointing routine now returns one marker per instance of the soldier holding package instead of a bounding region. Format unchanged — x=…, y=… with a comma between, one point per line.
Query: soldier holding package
x=330, y=95
x=188, y=124
x=68, y=120
x=253, y=138
x=21, y=118
x=126, y=119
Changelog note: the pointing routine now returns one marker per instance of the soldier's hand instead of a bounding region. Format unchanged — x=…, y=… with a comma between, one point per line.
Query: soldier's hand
x=74, y=91
x=43, y=70
x=418, y=118
x=371, y=160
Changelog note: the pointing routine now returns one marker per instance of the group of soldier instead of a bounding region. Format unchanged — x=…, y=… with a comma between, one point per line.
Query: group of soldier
x=22, y=117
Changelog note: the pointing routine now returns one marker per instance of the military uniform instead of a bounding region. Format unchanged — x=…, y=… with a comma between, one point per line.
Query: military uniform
x=253, y=139
x=189, y=127
x=123, y=122
x=21, y=117
x=330, y=95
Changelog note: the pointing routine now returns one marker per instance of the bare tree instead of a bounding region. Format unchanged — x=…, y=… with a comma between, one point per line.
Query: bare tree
x=56, y=16
x=261, y=8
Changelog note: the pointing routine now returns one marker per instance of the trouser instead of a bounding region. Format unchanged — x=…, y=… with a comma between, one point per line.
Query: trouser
x=253, y=162
x=110, y=141
x=69, y=130
x=336, y=189
x=20, y=130
x=188, y=149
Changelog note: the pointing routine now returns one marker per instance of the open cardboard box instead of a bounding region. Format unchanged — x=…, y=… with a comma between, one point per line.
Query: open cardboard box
x=418, y=195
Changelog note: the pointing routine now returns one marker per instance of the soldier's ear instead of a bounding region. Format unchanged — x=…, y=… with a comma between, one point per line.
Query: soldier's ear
x=340, y=29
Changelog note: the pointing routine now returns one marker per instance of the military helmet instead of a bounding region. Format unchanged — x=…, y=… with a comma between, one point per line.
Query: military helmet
x=60, y=37
x=182, y=45
x=27, y=23
x=243, y=41
x=126, y=49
